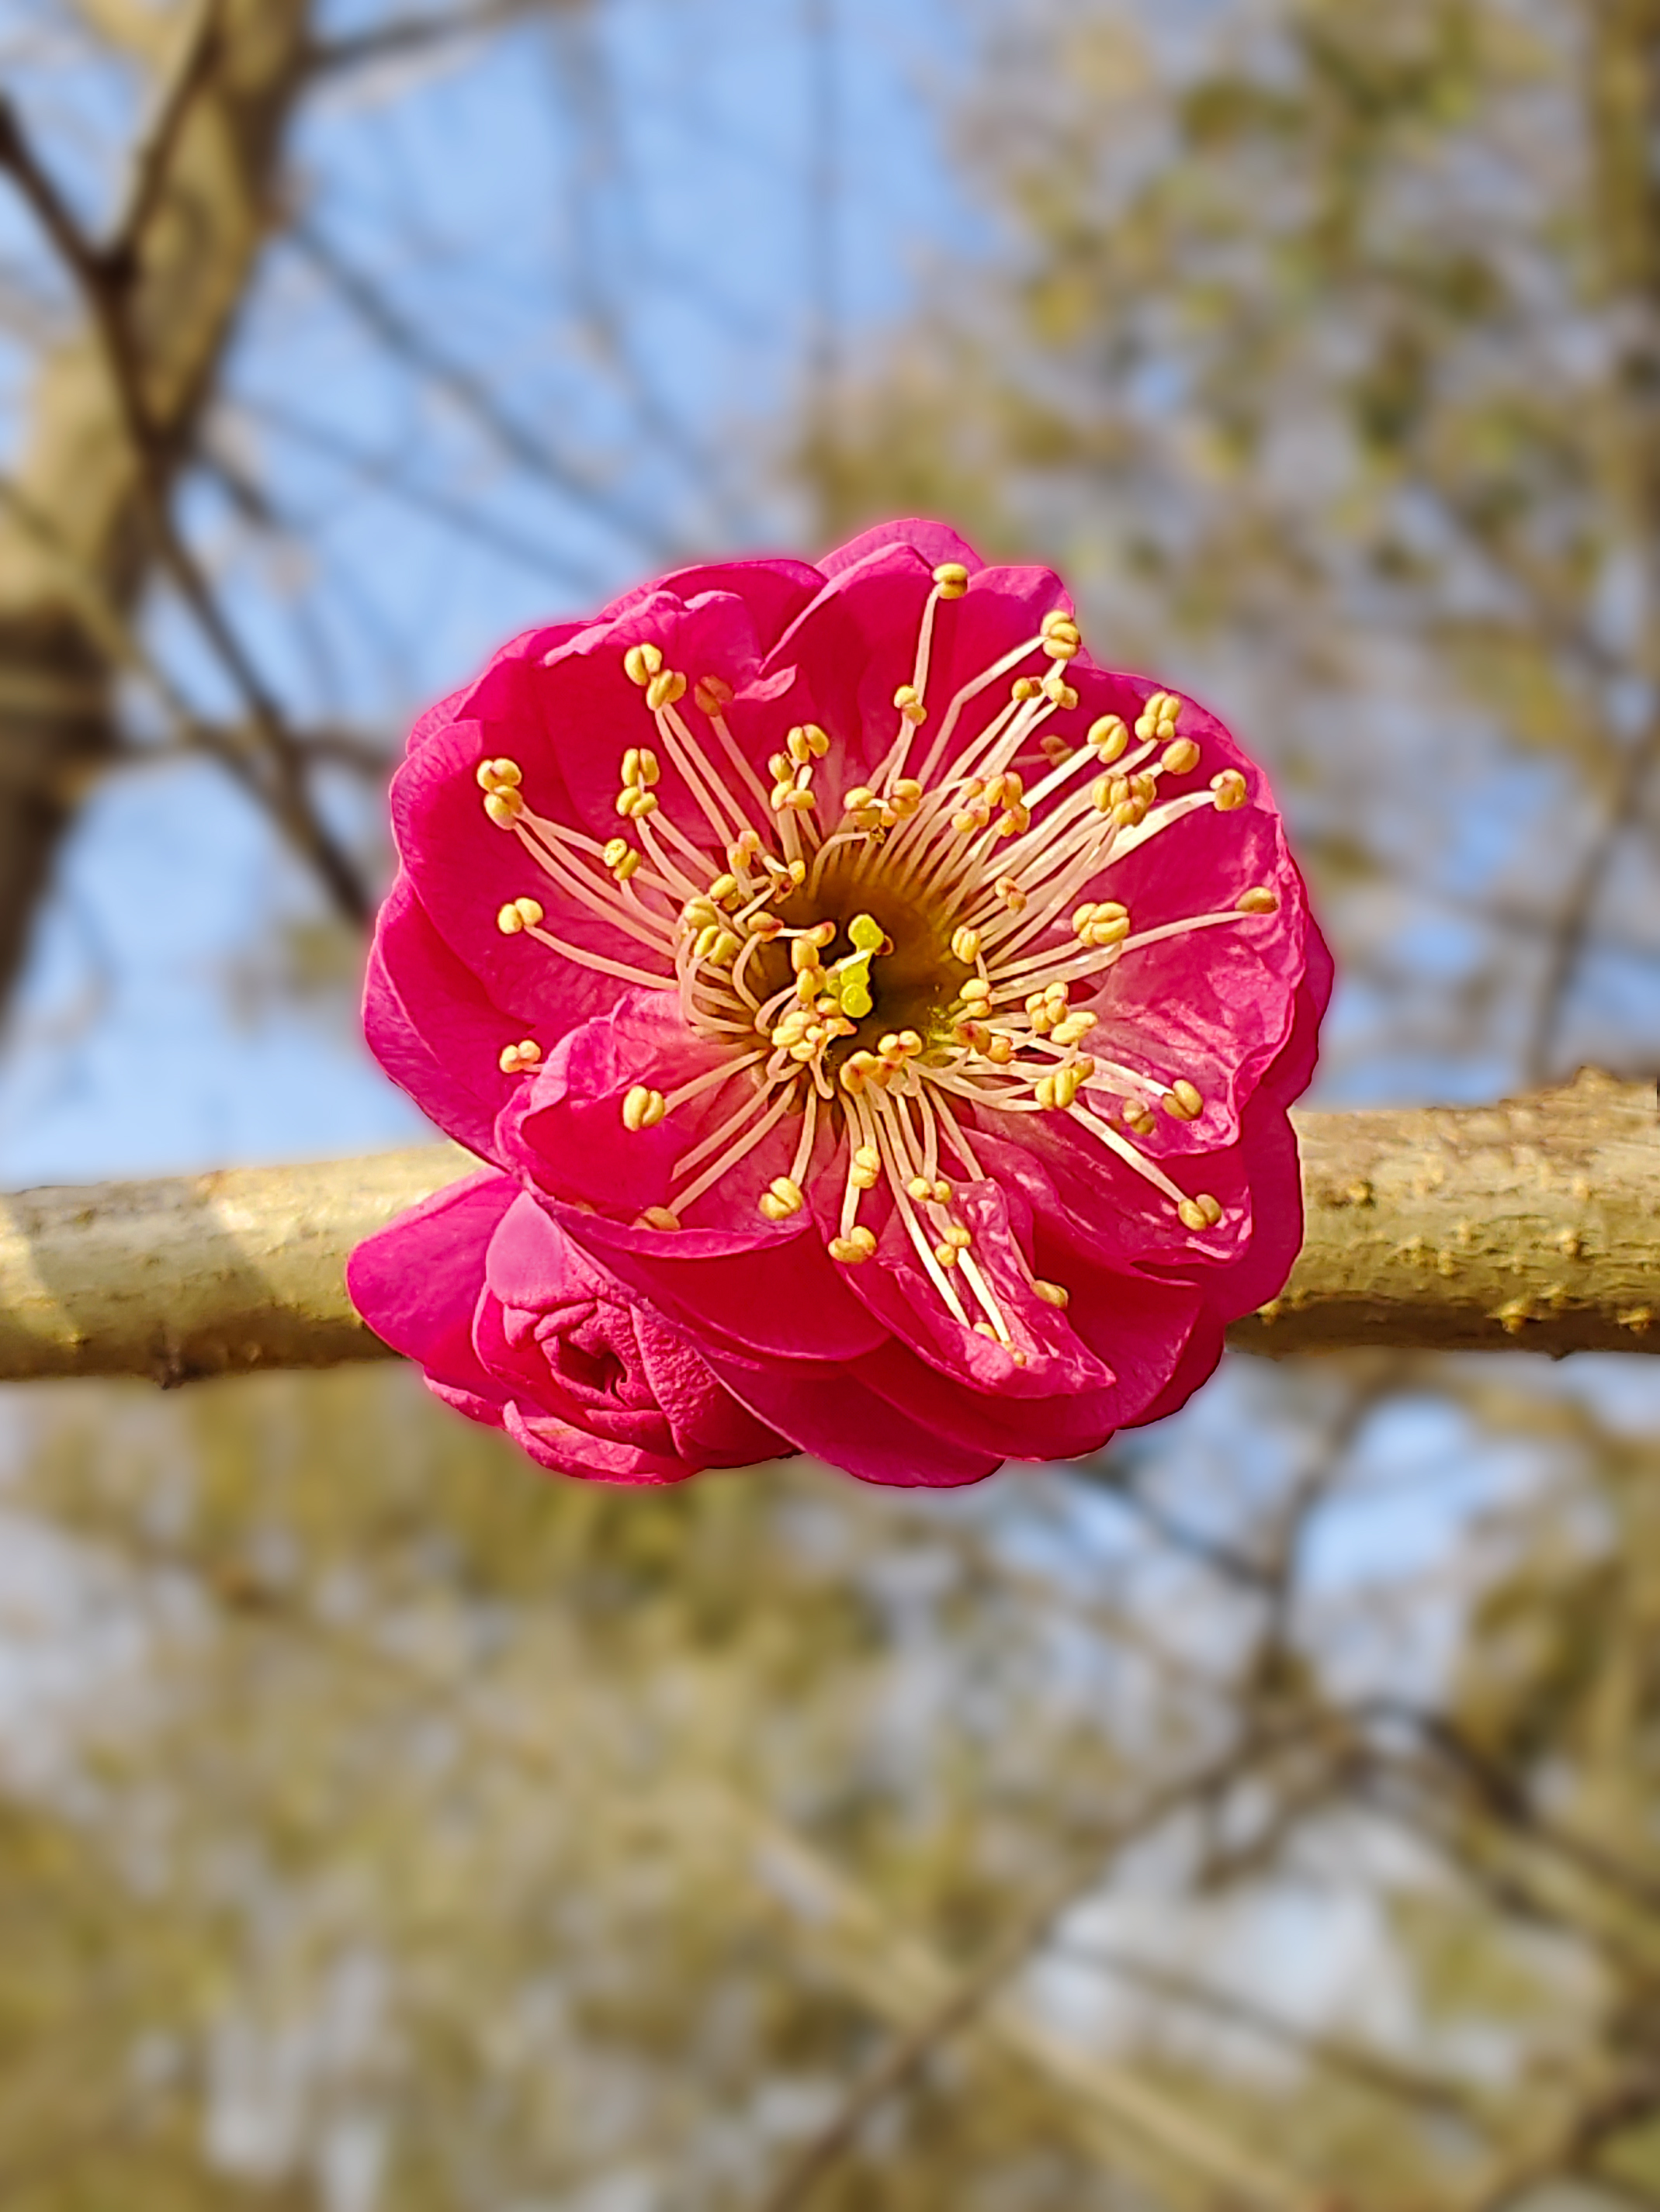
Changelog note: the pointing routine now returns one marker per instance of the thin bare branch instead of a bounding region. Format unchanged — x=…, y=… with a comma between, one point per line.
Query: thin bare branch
x=420, y=33
x=407, y=341
x=198, y=51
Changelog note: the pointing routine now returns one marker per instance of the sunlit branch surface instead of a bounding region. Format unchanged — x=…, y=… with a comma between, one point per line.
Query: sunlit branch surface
x=1535, y=1224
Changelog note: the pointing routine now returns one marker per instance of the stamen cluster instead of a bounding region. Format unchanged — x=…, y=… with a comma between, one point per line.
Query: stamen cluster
x=883, y=957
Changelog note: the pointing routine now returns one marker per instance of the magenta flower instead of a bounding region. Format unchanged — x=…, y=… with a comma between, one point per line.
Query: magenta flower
x=881, y=1022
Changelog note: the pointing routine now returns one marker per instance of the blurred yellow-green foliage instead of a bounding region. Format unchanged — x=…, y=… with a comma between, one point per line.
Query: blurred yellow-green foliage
x=383, y=1825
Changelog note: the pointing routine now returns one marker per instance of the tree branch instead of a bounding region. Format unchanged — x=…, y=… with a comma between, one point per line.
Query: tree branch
x=1535, y=1224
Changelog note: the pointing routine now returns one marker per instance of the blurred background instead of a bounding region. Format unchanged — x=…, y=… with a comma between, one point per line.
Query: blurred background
x=1266, y=1815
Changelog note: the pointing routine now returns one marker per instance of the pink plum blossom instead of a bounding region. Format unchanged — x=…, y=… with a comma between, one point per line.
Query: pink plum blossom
x=879, y=1022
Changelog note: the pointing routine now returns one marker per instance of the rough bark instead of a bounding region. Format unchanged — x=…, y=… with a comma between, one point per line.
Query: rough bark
x=1533, y=1224
x=75, y=545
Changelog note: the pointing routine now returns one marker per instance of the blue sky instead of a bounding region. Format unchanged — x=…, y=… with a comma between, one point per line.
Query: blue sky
x=509, y=212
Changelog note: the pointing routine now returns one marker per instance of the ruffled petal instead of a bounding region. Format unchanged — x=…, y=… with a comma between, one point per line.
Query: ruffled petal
x=416, y=1283
x=1022, y=1278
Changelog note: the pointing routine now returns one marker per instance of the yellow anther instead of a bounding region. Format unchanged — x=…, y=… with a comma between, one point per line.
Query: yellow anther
x=504, y=807
x=951, y=580
x=664, y=688
x=965, y=945
x=1074, y=1027
x=725, y=950
x=920, y=1187
x=711, y=694
x=1057, y=618
x=648, y=768
x=641, y=662
x=946, y=1254
x=1199, y=1213
x=907, y=797
x=965, y=824
x=975, y=994
x=856, y=1246
x=616, y=851
x=1024, y=688
x=1258, y=899
x=867, y=933
x=1159, y=714
x=909, y=701
x=1183, y=1101
x=793, y=799
x=866, y=1169
x=725, y=890
x=642, y=1107
x=1052, y=1294
x=623, y=868
x=1055, y=687
x=1011, y=894
x=515, y=1059
x=1000, y=1051
x=631, y=772
x=806, y=741
x=1109, y=737
x=1097, y=915
x=493, y=774
x=804, y=955
x=1130, y=814
x=706, y=940
x=1138, y=1116
x=657, y=1217
x=1062, y=642
x=509, y=920
x=1230, y=789
x=781, y=1199
x=1179, y=755
x=959, y=1236
x=797, y=872
x=860, y=800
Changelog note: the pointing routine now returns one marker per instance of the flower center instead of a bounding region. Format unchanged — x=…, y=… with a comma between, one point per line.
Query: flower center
x=881, y=962
x=891, y=965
